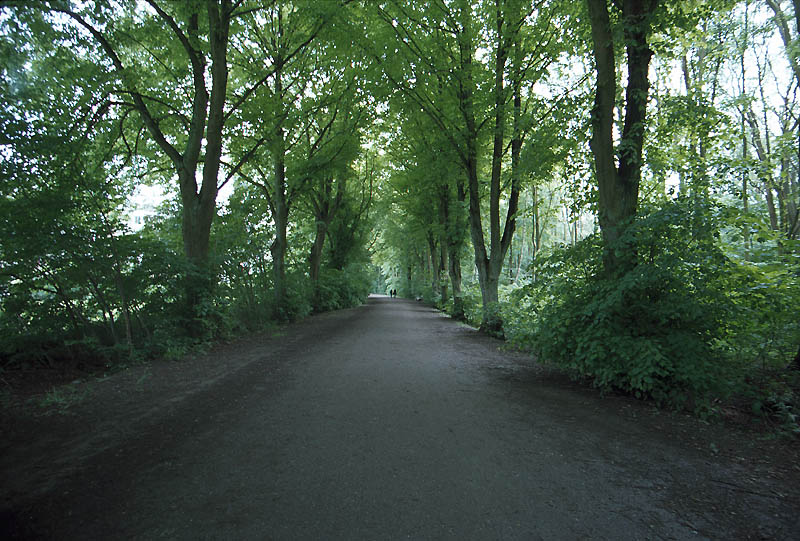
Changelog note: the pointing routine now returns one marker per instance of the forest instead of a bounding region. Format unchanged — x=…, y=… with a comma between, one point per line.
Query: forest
x=611, y=185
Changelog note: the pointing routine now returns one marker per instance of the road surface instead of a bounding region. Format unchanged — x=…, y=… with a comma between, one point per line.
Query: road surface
x=386, y=421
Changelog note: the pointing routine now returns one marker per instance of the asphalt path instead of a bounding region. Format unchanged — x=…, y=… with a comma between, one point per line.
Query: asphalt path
x=391, y=421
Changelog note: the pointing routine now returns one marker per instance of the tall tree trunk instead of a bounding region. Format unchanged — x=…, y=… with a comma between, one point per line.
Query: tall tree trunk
x=488, y=264
x=443, y=201
x=279, y=200
x=601, y=142
x=451, y=217
x=326, y=207
x=763, y=150
x=315, y=257
x=198, y=214
x=787, y=200
x=745, y=171
x=454, y=269
x=471, y=166
x=105, y=308
x=516, y=143
x=281, y=218
x=536, y=233
x=79, y=322
x=792, y=208
x=618, y=187
x=442, y=267
x=126, y=312
x=119, y=282
x=433, y=265
x=771, y=211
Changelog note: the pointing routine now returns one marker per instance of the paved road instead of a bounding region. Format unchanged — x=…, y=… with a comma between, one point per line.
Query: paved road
x=391, y=421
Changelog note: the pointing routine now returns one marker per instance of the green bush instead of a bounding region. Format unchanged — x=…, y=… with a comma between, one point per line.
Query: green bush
x=473, y=303
x=666, y=329
x=337, y=289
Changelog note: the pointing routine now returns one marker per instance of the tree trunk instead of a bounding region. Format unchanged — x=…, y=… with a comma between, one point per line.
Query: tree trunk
x=280, y=210
x=773, y=214
x=787, y=201
x=281, y=218
x=435, y=266
x=326, y=207
x=489, y=265
x=198, y=214
x=451, y=218
x=443, y=212
x=536, y=234
x=745, y=171
x=440, y=274
x=793, y=210
x=618, y=187
x=516, y=149
x=454, y=269
x=199, y=206
x=601, y=142
x=126, y=312
x=315, y=257
x=74, y=315
x=196, y=227
x=471, y=166
x=142, y=326
x=105, y=308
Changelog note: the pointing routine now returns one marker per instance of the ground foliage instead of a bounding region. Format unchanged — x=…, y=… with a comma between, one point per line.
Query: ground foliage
x=688, y=325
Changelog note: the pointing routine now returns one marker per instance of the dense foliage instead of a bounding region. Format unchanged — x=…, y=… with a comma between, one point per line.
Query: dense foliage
x=81, y=283
x=684, y=324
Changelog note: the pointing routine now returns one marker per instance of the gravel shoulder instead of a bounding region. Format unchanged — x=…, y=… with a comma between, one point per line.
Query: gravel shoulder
x=384, y=421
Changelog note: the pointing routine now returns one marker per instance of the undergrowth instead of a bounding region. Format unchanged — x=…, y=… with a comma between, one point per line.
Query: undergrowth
x=687, y=326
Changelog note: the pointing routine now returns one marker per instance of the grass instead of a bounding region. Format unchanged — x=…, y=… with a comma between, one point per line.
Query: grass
x=60, y=399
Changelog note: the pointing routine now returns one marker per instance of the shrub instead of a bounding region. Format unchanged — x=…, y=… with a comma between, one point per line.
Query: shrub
x=337, y=289
x=656, y=331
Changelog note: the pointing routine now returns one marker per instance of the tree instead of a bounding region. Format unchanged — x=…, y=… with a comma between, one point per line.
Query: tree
x=430, y=53
x=171, y=66
x=205, y=119
x=430, y=189
x=331, y=144
x=788, y=187
x=284, y=50
x=618, y=185
x=62, y=261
